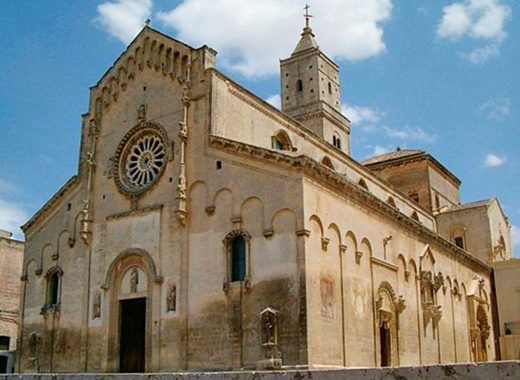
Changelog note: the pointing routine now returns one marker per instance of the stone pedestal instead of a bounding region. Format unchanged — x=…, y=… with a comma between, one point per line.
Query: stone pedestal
x=269, y=364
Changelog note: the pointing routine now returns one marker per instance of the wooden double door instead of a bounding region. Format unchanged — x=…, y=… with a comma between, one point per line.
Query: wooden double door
x=132, y=340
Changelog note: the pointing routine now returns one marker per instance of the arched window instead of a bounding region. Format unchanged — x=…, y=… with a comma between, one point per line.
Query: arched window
x=336, y=141
x=281, y=141
x=327, y=162
x=391, y=202
x=415, y=216
x=299, y=85
x=52, y=299
x=363, y=184
x=237, y=248
x=54, y=287
x=238, y=259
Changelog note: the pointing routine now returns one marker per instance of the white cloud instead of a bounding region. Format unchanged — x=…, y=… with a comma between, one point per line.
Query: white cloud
x=454, y=23
x=410, y=133
x=493, y=160
x=478, y=19
x=361, y=115
x=497, y=108
x=12, y=216
x=475, y=18
x=251, y=36
x=123, y=19
x=274, y=100
x=482, y=54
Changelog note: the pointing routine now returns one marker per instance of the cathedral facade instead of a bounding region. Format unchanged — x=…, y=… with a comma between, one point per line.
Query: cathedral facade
x=207, y=230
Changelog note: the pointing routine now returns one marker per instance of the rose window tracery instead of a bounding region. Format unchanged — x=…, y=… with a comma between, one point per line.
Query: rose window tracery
x=145, y=161
x=140, y=159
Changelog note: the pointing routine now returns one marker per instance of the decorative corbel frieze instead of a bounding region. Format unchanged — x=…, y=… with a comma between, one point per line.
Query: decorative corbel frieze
x=324, y=243
x=268, y=234
x=359, y=255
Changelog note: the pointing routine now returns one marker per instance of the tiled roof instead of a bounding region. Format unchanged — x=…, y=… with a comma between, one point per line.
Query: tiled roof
x=466, y=206
x=397, y=154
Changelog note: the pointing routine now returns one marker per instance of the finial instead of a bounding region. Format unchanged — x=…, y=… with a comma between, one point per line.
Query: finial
x=307, y=16
x=147, y=22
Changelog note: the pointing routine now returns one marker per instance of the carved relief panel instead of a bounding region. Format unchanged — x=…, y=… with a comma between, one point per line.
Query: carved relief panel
x=327, y=297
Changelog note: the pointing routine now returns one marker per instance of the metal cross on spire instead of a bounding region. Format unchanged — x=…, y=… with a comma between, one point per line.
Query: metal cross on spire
x=307, y=15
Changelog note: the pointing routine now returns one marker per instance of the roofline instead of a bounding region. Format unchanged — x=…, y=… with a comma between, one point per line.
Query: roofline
x=11, y=239
x=422, y=155
x=306, y=163
x=73, y=181
x=145, y=28
x=309, y=51
x=303, y=131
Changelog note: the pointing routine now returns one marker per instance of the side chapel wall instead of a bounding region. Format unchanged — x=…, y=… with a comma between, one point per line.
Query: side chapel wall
x=423, y=340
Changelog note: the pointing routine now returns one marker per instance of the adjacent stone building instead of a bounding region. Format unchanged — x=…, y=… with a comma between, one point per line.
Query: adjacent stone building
x=11, y=263
x=206, y=229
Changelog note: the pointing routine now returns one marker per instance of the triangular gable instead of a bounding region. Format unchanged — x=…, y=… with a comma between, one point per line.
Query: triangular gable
x=427, y=259
x=150, y=50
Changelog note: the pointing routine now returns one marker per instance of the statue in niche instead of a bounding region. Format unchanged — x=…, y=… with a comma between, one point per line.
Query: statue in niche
x=134, y=280
x=171, y=300
x=268, y=329
x=96, y=308
x=34, y=348
x=270, y=333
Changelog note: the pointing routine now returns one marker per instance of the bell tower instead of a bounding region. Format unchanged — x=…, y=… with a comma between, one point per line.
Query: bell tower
x=310, y=91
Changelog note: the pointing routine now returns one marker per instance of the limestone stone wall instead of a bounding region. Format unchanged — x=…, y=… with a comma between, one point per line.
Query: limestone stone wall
x=347, y=261
x=336, y=266
x=442, y=185
x=251, y=121
x=507, y=285
x=11, y=261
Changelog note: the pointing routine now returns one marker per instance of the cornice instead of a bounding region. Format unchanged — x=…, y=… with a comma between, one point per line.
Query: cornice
x=42, y=212
x=415, y=158
x=138, y=211
x=342, y=184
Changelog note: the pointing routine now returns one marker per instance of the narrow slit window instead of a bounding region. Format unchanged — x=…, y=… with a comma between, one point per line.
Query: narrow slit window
x=299, y=85
x=238, y=259
x=54, y=286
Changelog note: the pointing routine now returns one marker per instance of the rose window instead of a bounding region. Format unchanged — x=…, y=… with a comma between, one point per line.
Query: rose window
x=144, y=161
x=140, y=159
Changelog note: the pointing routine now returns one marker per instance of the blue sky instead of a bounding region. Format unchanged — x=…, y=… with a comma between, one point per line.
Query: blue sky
x=442, y=76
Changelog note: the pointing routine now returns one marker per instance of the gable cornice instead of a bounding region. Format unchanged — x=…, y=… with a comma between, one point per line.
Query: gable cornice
x=50, y=204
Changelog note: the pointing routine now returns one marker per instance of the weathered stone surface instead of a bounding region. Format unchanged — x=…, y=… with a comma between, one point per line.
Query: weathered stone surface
x=474, y=371
x=11, y=264
x=356, y=280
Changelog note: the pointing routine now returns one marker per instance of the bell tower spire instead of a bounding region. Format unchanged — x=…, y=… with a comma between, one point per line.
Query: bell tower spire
x=310, y=90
